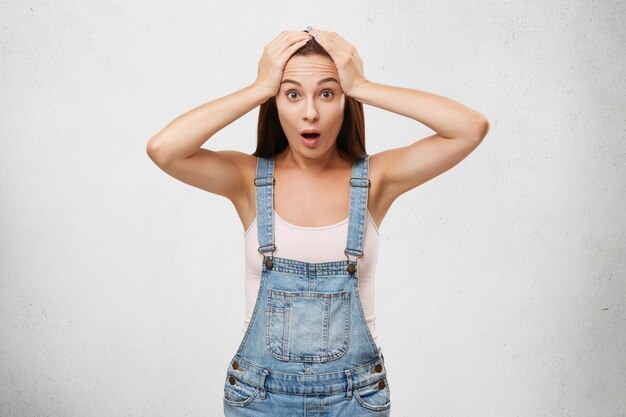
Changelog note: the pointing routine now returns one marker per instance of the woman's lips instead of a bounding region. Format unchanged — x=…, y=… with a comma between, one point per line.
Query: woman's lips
x=310, y=139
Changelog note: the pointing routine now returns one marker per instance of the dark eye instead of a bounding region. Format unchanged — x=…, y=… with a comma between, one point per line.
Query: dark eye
x=328, y=92
x=289, y=94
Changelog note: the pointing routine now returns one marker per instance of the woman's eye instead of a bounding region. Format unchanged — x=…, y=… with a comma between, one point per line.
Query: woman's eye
x=325, y=94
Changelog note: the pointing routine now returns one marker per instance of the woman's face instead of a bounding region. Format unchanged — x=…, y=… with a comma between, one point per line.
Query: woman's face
x=310, y=101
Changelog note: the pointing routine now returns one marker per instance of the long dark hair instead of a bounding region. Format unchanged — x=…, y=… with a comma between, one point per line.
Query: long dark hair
x=271, y=138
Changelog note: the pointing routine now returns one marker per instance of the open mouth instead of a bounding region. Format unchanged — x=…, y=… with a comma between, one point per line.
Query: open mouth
x=310, y=137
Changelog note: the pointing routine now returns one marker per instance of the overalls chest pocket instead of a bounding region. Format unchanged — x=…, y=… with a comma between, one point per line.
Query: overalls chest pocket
x=307, y=326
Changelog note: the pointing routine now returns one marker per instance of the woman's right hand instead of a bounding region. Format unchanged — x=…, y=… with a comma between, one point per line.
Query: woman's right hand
x=275, y=57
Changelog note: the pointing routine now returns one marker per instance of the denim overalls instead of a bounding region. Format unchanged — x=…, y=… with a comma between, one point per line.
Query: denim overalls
x=307, y=350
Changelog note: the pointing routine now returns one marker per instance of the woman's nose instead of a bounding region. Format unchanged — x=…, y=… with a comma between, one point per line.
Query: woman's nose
x=310, y=111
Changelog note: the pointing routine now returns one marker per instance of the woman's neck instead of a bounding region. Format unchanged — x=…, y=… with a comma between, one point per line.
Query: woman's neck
x=329, y=161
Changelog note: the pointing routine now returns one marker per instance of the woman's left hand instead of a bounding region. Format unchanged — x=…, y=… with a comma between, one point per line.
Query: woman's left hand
x=346, y=58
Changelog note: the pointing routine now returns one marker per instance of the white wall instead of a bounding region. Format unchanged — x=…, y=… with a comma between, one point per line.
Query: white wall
x=500, y=284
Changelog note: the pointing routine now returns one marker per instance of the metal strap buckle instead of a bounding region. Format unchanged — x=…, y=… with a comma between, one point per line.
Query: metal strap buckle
x=369, y=183
x=262, y=178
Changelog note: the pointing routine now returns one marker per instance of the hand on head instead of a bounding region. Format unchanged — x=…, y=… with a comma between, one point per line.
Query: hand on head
x=275, y=57
x=347, y=60
x=280, y=49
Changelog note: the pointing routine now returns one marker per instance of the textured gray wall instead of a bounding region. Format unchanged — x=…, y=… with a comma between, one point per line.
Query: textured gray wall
x=500, y=284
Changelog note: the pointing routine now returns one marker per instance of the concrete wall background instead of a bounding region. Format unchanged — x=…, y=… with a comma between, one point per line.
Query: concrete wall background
x=500, y=284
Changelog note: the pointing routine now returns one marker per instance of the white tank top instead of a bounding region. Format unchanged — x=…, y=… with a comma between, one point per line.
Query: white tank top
x=314, y=244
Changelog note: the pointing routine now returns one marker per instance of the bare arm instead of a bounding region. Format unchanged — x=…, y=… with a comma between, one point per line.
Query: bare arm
x=459, y=129
x=177, y=148
x=183, y=136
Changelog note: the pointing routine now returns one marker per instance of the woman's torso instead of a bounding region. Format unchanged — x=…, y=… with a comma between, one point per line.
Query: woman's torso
x=311, y=200
x=313, y=244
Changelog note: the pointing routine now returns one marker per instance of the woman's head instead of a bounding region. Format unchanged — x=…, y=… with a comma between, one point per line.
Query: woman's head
x=303, y=103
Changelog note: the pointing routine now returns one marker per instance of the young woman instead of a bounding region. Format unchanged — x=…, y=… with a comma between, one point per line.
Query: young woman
x=311, y=201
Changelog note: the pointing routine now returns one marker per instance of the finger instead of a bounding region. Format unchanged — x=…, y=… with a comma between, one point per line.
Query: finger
x=270, y=47
x=277, y=38
x=287, y=53
x=316, y=32
x=287, y=39
x=294, y=44
x=325, y=39
x=335, y=41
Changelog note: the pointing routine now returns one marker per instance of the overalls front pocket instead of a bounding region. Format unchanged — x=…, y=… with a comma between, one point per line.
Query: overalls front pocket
x=238, y=393
x=307, y=326
x=375, y=396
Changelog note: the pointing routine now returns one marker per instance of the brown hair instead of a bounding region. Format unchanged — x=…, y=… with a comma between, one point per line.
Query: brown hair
x=271, y=138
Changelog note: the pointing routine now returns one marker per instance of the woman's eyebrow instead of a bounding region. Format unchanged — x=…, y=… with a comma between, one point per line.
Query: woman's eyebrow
x=325, y=80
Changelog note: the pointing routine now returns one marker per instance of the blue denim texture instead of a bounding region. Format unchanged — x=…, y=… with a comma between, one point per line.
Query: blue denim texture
x=308, y=350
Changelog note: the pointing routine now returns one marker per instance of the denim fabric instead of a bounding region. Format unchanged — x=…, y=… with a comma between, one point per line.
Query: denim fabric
x=308, y=350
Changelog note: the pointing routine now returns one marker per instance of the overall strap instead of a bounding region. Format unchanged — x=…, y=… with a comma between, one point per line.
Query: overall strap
x=359, y=187
x=264, y=183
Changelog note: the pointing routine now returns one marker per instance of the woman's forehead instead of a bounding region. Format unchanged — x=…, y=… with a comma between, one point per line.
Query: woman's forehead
x=312, y=66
